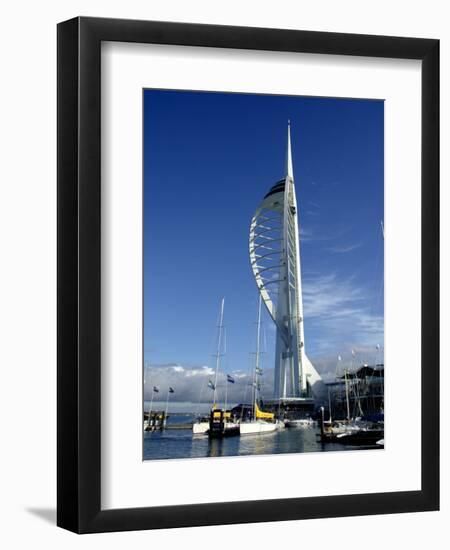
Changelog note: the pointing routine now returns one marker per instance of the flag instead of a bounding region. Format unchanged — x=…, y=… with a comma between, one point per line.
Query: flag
x=171, y=390
x=156, y=389
x=339, y=358
x=211, y=385
x=230, y=379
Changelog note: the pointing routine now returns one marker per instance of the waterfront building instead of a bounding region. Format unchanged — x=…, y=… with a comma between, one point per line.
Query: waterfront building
x=358, y=393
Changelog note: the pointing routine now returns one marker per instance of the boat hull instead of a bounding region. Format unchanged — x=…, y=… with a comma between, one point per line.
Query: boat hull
x=200, y=428
x=362, y=437
x=228, y=430
x=251, y=428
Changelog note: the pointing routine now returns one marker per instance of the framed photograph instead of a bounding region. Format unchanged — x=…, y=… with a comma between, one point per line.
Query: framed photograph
x=248, y=275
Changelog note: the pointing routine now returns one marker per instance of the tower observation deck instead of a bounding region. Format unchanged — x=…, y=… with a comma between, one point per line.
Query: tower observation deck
x=274, y=249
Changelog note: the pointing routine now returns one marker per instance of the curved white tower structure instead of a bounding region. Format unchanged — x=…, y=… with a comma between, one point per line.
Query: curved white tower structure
x=275, y=260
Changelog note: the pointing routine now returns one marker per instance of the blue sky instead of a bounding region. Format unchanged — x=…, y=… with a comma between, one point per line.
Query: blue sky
x=209, y=158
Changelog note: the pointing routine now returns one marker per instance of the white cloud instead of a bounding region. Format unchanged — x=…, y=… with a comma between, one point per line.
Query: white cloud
x=339, y=316
x=316, y=234
x=305, y=235
x=325, y=295
x=329, y=366
x=177, y=368
x=344, y=249
x=202, y=371
x=342, y=312
x=191, y=383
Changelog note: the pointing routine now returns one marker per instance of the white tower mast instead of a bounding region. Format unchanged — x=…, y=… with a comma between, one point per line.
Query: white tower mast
x=298, y=278
x=275, y=259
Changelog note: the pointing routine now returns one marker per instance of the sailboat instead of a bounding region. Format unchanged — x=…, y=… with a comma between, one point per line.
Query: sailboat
x=343, y=428
x=219, y=423
x=352, y=430
x=361, y=427
x=261, y=422
x=201, y=426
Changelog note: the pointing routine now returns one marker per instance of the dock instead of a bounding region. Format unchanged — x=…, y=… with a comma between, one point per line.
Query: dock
x=157, y=421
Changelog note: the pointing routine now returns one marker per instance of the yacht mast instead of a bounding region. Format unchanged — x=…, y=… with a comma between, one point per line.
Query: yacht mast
x=346, y=395
x=219, y=342
x=257, y=354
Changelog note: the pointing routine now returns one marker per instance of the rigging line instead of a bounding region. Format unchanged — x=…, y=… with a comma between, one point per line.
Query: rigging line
x=249, y=363
x=212, y=345
x=198, y=414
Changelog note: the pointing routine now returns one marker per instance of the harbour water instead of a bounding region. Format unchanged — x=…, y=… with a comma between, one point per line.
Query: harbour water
x=180, y=443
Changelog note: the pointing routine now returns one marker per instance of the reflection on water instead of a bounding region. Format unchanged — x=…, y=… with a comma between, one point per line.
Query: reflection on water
x=181, y=444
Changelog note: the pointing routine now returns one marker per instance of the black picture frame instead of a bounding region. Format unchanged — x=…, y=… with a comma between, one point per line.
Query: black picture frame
x=79, y=279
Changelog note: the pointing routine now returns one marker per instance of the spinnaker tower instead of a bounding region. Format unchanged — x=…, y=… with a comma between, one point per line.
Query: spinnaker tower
x=274, y=246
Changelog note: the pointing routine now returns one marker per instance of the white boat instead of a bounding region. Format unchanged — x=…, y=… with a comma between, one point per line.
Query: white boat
x=261, y=422
x=300, y=423
x=257, y=427
x=341, y=429
x=220, y=422
x=200, y=428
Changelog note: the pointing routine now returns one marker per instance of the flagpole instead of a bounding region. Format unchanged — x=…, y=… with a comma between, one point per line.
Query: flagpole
x=351, y=386
x=150, y=412
x=167, y=407
x=226, y=394
x=145, y=380
x=329, y=405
